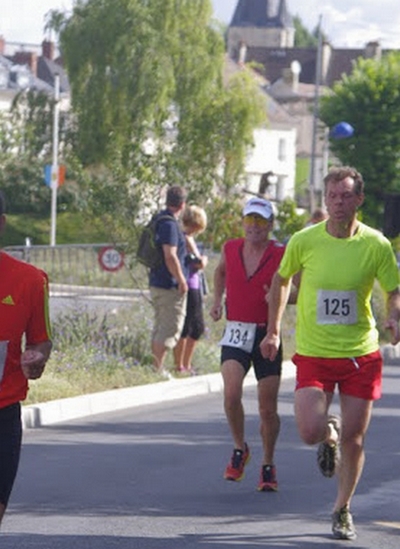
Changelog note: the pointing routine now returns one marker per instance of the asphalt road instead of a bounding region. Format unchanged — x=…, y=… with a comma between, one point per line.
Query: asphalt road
x=151, y=478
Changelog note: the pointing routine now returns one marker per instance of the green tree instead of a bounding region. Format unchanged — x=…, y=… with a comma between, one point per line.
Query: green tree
x=303, y=38
x=369, y=100
x=25, y=147
x=288, y=220
x=217, y=136
x=27, y=128
x=125, y=79
x=151, y=107
x=224, y=216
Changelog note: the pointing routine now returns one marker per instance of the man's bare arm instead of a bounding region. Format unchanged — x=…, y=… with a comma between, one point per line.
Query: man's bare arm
x=174, y=266
x=219, y=288
x=278, y=298
x=393, y=315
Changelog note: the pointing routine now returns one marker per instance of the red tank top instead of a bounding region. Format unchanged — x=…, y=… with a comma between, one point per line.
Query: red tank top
x=245, y=296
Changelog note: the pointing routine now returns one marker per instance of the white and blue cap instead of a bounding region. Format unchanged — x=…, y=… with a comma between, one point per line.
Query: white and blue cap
x=259, y=206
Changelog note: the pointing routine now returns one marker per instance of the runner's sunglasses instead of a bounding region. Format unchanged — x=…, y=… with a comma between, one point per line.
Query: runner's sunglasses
x=252, y=219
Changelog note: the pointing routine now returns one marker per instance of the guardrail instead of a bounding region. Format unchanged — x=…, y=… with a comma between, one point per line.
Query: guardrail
x=97, y=265
x=98, y=268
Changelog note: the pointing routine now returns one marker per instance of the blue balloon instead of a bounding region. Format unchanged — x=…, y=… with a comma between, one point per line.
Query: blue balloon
x=342, y=130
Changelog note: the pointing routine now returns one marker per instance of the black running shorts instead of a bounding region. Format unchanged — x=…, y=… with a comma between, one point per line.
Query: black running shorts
x=10, y=448
x=262, y=366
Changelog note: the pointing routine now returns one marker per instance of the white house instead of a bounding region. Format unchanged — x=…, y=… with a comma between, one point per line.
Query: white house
x=273, y=157
x=274, y=153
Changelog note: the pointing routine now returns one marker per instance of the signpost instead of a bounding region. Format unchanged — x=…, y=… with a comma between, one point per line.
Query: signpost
x=54, y=166
x=318, y=71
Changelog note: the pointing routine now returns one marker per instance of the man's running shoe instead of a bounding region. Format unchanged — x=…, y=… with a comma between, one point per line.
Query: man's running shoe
x=342, y=524
x=328, y=454
x=268, y=482
x=235, y=468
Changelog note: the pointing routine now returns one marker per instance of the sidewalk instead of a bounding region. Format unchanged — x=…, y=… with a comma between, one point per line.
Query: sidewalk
x=56, y=411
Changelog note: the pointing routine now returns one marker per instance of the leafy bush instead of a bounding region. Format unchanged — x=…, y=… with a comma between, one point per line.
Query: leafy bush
x=96, y=351
x=224, y=222
x=22, y=181
x=288, y=221
x=105, y=334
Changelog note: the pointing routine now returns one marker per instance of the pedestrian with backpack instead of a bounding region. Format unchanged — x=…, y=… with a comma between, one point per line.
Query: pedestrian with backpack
x=167, y=279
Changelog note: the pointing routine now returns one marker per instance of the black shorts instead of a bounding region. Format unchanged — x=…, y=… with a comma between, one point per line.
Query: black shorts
x=262, y=366
x=194, y=320
x=10, y=448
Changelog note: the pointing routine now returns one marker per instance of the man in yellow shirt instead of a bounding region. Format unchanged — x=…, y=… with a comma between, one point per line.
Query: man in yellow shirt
x=336, y=336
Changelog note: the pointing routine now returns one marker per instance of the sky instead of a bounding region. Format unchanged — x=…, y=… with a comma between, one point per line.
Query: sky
x=347, y=23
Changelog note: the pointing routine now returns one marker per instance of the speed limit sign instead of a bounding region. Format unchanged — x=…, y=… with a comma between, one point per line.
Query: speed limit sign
x=110, y=259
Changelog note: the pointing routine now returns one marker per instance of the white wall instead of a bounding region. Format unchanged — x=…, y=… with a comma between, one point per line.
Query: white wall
x=274, y=150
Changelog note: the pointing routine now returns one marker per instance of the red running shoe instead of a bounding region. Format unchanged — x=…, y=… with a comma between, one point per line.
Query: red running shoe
x=235, y=468
x=268, y=482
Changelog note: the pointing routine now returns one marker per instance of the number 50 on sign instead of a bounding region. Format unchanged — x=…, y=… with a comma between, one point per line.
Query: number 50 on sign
x=111, y=259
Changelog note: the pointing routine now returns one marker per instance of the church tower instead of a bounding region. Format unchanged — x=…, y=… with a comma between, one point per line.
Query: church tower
x=259, y=24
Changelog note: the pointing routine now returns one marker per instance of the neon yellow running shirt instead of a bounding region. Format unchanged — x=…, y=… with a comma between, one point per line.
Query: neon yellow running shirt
x=334, y=317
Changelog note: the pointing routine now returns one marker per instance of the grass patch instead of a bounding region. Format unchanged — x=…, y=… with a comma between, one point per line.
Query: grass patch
x=80, y=372
x=71, y=228
x=95, y=351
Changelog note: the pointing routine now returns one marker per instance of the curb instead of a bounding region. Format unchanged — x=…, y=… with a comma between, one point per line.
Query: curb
x=57, y=411
x=71, y=290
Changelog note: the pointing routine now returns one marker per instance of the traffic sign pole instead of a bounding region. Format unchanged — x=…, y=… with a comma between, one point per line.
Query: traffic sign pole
x=54, y=167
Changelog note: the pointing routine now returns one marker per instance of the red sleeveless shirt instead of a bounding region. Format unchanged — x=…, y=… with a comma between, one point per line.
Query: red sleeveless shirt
x=245, y=296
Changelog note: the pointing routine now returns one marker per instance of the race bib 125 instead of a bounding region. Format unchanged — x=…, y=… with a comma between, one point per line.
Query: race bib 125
x=336, y=307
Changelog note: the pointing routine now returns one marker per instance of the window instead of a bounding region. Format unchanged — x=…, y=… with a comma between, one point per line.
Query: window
x=282, y=153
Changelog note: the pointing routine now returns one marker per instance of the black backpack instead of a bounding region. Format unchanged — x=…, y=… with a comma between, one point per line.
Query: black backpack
x=149, y=253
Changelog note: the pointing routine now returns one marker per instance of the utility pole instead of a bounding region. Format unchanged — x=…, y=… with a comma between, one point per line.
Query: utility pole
x=315, y=118
x=54, y=166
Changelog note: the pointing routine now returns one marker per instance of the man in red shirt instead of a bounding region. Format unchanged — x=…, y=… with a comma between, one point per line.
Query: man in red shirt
x=24, y=324
x=244, y=274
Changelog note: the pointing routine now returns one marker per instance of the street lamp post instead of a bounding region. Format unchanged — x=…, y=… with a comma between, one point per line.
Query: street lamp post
x=315, y=118
x=54, y=166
